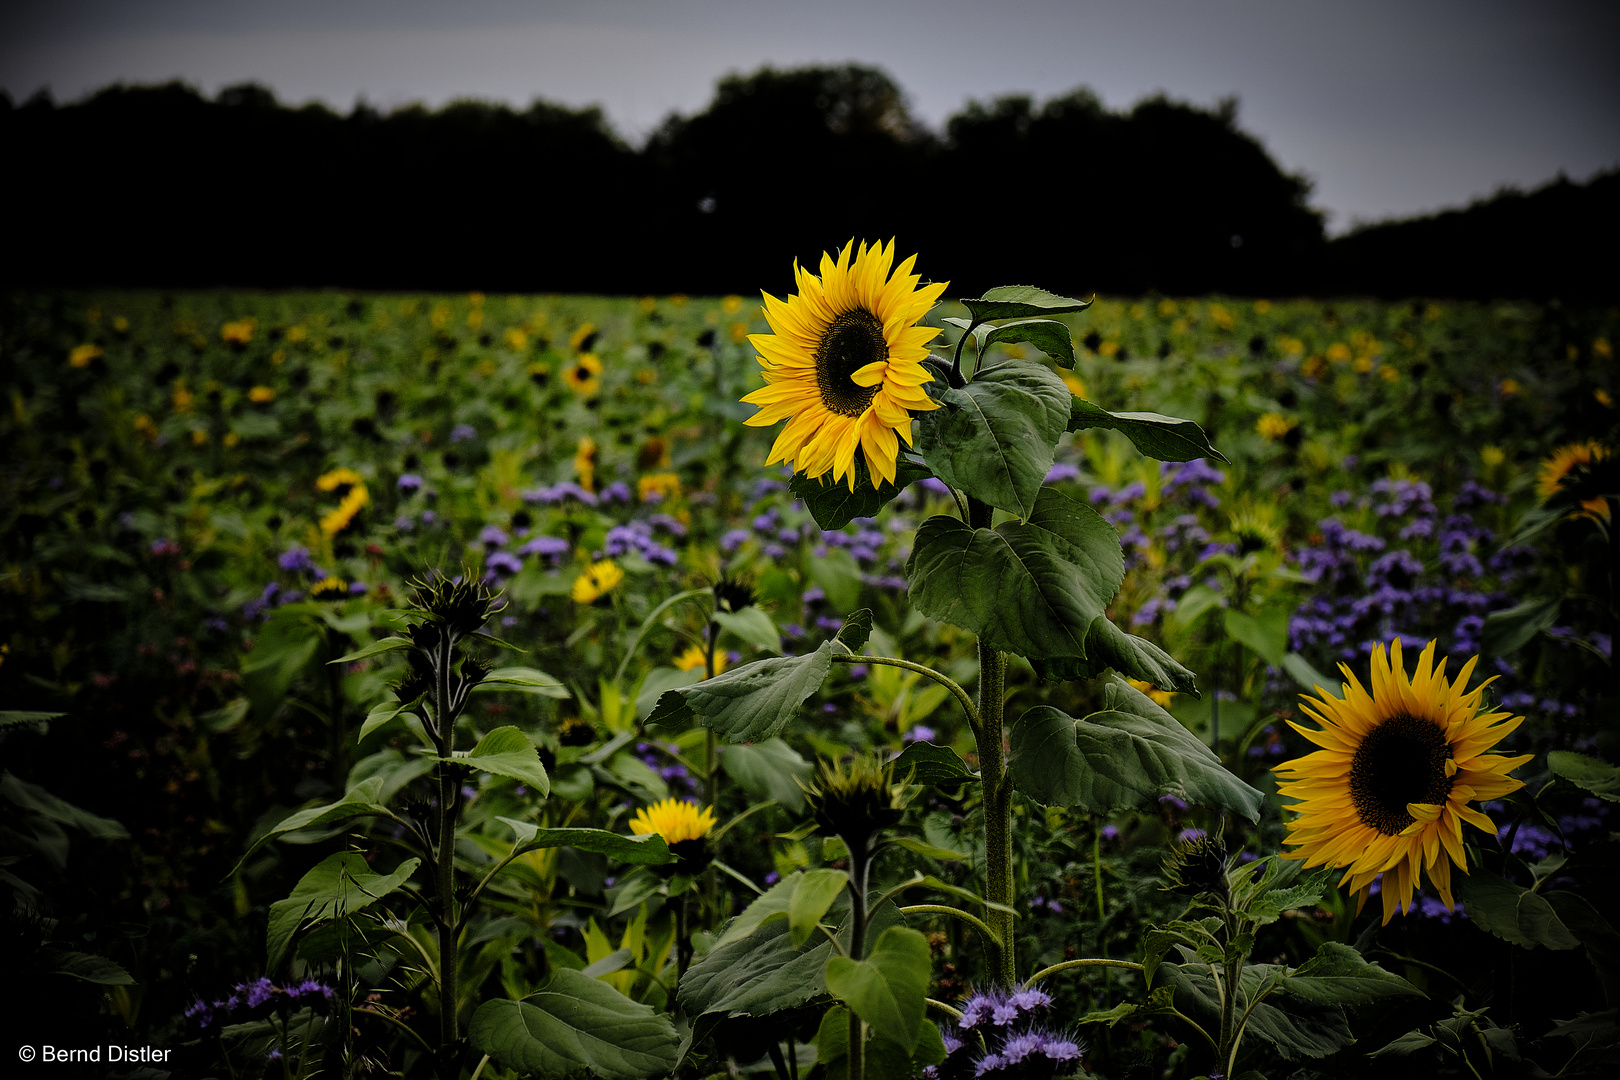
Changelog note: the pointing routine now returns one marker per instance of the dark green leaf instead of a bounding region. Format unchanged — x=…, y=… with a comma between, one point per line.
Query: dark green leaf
x=815, y=894
x=1021, y=302
x=887, y=988
x=523, y=679
x=1166, y=438
x=1511, y=629
x=1121, y=758
x=90, y=968
x=755, y=975
x=362, y=800
x=926, y=763
x=917, y=847
x=33, y=799
x=768, y=770
x=645, y=850
x=1048, y=335
x=1109, y=647
x=1295, y=1029
x=1032, y=588
x=856, y=631
x=13, y=716
x=750, y=703
x=336, y=888
x=1510, y=912
x=1266, y=634
x=1301, y=671
x=1411, y=1043
x=1338, y=975
x=1601, y=779
x=772, y=904
x=834, y=505
x=506, y=751
x=376, y=648
x=994, y=438
x=576, y=1024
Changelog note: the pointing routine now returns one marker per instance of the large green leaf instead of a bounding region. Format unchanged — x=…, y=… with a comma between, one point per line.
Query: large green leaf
x=285, y=645
x=884, y=1060
x=525, y=680
x=887, y=988
x=1295, y=1028
x=646, y=850
x=1032, y=587
x=1600, y=778
x=362, y=800
x=995, y=437
x=755, y=975
x=1166, y=438
x=1511, y=912
x=336, y=888
x=376, y=648
x=751, y=625
x=89, y=967
x=1048, y=335
x=1020, y=302
x=768, y=770
x=1121, y=758
x=1338, y=975
x=1266, y=633
x=576, y=1024
x=33, y=799
x=816, y=892
x=506, y=751
x=1107, y=646
x=834, y=505
x=750, y=703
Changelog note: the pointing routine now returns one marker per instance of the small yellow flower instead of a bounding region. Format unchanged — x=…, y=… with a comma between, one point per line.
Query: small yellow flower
x=656, y=487
x=199, y=437
x=1262, y=307
x=673, y=820
x=732, y=304
x=1161, y=697
x=516, y=339
x=145, y=428
x=695, y=657
x=1508, y=388
x=261, y=395
x=1363, y=365
x=597, y=581
x=239, y=332
x=1109, y=348
x=1314, y=366
x=1604, y=398
x=83, y=354
x=475, y=299
x=678, y=299
x=1220, y=317
x=1602, y=348
x=1291, y=346
x=328, y=587
x=739, y=332
x=1167, y=308
x=232, y=438
x=1388, y=373
x=584, y=376
x=278, y=357
x=1338, y=352
x=296, y=334
x=1076, y=387
x=1491, y=456
x=585, y=463
x=475, y=319
x=335, y=521
x=121, y=325
x=1274, y=426
x=646, y=305
x=577, y=339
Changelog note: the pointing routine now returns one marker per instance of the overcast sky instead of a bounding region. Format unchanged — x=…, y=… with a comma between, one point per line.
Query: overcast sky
x=1391, y=108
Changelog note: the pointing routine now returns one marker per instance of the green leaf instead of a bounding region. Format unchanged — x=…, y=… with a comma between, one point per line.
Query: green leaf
x=1338, y=975
x=380, y=715
x=1020, y=302
x=1601, y=779
x=33, y=799
x=9, y=717
x=755, y=975
x=768, y=770
x=1048, y=335
x=1166, y=438
x=360, y=801
x=839, y=577
x=887, y=988
x=1122, y=758
x=1268, y=906
x=884, y=1060
x=750, y=703
x=1295, y=1028
x=523, y=679
x=336, y=888
x=1301, y=671
x=856, y=631
x=834, y=505
x=90, y=968
x=927, y=763
x=644, y=850
x=1032, y=588
x=1509, y=630
x=376, y=648
x=751, y=625
x=285, y=645
x=772, y=904
x=995, y=437
x=1107, y=646
x=917, y=847
x=576, y=1024
x=1266, y=634
x=816, y=892
x=506, y=751
x=1510, y=912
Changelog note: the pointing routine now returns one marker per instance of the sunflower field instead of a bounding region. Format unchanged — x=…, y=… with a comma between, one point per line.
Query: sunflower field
x=468, y=686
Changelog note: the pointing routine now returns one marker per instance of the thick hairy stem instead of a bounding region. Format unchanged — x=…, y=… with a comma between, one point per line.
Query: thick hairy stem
x=860, y=864
x=998, y=869
x=445, y=864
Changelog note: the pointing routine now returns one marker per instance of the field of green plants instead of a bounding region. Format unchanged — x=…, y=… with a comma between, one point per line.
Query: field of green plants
x=351, y=646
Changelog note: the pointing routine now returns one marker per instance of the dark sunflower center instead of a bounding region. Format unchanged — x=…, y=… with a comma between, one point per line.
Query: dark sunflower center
x=1402, y=760
x=853, y=340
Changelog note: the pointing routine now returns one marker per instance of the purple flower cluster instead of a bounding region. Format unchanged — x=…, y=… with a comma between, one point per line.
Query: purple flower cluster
x=616, y=492
x=551, y=548
x=558, y=493
x=1062, y=471
x=1191, y=480
x=637, y=537
x=659, y=759
x=463, y=433
x=258, y=998
x=1004, y=1035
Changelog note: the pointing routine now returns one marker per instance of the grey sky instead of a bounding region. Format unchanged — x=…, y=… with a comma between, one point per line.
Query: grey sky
x=1392, y=108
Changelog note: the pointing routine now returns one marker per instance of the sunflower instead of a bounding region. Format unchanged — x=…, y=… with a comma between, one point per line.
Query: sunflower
x=673, y=820
x=695, y=657
x=597, y=581
x=844, y=363
x=1389, y=791
x=1562, y=462
x=584, y=376
x=585, y=463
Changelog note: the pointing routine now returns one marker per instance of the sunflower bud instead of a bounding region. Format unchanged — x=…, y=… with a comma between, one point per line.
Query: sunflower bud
x=732, y=594
x=858, y=802
x=460, y=606
x=1197, y=866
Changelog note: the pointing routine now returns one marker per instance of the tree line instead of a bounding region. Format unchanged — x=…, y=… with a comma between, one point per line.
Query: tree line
x=160, y=186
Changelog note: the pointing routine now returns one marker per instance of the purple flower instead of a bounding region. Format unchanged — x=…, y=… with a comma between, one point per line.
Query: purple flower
x=296, y=559
x=501, y=564
x=462, y=433
x=1062, y=471
x=493, y=536
x=919, y=733
x=616, y=492
x=549, y=547
x=409, y=482
x=734, y=539
x=935, y=485
x=404, y=523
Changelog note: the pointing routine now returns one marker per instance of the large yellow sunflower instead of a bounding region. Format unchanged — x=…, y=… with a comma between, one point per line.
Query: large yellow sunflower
x=1389, y=791
x=844, y=363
